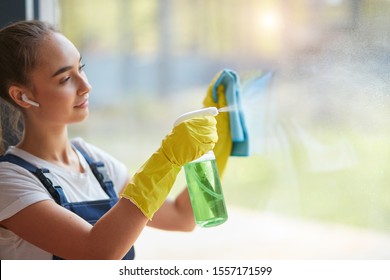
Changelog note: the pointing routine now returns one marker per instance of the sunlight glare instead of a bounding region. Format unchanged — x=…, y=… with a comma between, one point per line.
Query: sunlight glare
x=270, y=21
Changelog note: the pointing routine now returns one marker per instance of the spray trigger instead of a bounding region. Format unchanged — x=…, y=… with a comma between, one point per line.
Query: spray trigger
x=209, y=111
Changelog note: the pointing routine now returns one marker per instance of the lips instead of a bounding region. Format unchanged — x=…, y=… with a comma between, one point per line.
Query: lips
x=83, y=103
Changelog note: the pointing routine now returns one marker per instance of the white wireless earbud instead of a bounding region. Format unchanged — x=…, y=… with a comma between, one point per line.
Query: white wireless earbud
x=25, y=99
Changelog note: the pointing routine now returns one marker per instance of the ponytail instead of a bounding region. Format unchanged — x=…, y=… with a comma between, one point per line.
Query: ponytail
x=19, y=43
x=11, y=125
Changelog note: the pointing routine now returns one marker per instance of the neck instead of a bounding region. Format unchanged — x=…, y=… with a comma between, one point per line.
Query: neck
x=51, y=144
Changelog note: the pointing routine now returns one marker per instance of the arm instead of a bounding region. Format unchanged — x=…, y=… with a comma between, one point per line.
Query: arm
x=175, y=215
x=61, y=232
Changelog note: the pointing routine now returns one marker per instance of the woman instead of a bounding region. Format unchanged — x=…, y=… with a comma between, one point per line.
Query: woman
x=41, y=76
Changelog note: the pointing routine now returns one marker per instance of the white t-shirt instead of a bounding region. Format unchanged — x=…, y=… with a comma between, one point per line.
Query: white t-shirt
x=19, y=188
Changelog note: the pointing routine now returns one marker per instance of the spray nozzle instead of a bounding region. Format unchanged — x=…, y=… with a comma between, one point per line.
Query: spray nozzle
x=209, y=111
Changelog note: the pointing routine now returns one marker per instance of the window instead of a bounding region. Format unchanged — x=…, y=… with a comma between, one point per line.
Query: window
x=317, y=183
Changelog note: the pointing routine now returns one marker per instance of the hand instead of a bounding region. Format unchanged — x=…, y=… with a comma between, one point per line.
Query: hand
x=223, y=147
x=190, y=139
x=152, y=183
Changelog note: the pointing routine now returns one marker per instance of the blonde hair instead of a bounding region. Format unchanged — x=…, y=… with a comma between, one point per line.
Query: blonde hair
x=19, y=43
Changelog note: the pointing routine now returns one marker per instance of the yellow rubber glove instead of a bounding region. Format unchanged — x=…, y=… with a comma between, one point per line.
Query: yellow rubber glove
x=152, y=183
x=224, y=145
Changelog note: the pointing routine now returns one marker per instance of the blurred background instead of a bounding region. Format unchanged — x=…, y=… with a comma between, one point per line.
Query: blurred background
x=315, y=87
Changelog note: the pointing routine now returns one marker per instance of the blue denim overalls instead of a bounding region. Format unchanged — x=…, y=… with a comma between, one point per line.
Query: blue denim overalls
x=90, y=211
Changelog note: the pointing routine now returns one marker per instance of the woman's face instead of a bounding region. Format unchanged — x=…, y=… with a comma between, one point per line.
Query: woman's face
x=59, y=83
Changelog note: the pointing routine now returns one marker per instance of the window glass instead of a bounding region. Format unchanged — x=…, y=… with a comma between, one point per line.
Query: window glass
x=315, y=93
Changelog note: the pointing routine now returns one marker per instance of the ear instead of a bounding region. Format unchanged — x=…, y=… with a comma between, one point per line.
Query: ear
x=15, y=92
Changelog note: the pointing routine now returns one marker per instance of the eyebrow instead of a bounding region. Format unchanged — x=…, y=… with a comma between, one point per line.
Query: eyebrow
x=63, y=69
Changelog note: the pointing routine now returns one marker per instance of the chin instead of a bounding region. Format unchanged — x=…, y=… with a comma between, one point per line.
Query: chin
x=81, y=118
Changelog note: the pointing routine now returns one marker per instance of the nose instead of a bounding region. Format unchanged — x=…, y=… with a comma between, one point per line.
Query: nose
x=84, y=86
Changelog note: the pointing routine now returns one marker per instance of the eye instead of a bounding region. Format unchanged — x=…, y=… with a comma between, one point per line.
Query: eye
x=64, y=80
x=67, y=78
x=81, y=68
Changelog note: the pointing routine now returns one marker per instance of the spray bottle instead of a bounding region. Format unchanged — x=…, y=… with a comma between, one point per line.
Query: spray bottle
x=204, y=185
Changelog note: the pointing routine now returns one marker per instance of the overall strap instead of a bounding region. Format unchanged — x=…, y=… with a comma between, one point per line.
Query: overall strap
x=87, y=210
x=55, y=191
x=100, y=172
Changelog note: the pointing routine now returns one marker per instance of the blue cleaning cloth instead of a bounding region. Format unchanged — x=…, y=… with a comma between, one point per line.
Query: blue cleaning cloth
x=238, y=128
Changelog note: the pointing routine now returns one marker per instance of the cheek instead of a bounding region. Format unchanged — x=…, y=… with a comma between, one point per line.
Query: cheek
x=56, y=105
x=55, y=112
x=57, y=97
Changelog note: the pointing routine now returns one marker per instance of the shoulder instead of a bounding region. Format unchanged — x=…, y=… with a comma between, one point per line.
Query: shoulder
x=90, y=149
x=18, y=189
x=14, y=173
x=93, y=151
x=116, y=169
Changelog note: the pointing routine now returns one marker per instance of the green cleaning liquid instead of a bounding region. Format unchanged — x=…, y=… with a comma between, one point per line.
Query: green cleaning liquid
x=205, y=191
